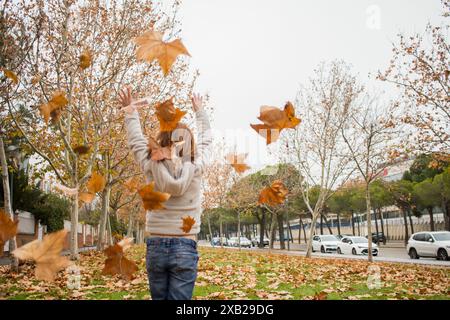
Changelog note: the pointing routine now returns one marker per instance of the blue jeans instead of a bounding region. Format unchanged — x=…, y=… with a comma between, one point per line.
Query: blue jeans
x=171, y=267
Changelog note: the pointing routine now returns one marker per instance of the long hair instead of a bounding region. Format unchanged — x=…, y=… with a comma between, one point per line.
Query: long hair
x=181, y=133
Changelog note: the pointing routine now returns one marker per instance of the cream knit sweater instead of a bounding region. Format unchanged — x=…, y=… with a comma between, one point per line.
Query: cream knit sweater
x=184, y=187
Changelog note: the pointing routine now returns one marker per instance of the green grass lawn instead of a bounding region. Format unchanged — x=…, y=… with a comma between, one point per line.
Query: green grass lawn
x=233, y=274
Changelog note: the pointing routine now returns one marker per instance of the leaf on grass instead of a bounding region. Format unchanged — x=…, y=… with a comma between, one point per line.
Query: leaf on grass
x=85, y=59
x=8, y=229
x=81, y=149
x=116, y=262
x=320, y=296
x=273, y=195
x=150, y=46
x=274, y=120
x=11, y=75
x=237, y=162
x=188, y=222
x=46, y=253
x=168, y=115
x=152, y=200
x=52, y=109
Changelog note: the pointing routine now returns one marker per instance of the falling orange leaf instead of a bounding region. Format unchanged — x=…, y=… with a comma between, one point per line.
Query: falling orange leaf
x=188, y=222
x=46, y=253
x=273, y=195
x=274, y=120
x=86, y=197
x=152, y=200
x=96, y=183
x=168, y=115
x=8, y=229
x=150, y=46
x=11, y=75
x=237, y=162
x=85, y=59
x=53, y=108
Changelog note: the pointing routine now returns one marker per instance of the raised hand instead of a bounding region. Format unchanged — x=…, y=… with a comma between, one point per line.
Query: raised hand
x=197, y=102
x=125, y=97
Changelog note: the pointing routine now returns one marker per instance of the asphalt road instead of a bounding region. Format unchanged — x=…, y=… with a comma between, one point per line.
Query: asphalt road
x=386, y=254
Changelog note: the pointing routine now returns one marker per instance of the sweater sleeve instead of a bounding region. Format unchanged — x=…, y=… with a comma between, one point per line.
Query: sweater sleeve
x=165, y=182
x=136, y=140
x=204, y=141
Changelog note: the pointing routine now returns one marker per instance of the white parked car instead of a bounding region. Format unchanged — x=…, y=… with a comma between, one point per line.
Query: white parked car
x=356, y=245
x=234, y=242
x=429, y=244
x=325, y=243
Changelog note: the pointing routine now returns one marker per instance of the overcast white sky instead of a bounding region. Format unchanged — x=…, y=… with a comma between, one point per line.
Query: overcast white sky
x=257, y=52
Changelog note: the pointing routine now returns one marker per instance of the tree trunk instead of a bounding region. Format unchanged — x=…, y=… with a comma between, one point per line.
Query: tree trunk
x=110, y=236
x=376, y=221
x=281, y=230
x=446, y=213
x=314, y=217
x=220, y=230
x=130, y=226
x=74, y=229
x=369, y=224
x=262, y=229
x=353, y=223
x=339, y=223
x=410, y=221
x=380, y=212
x=104, y=217
x=321, y=224
x=430, y=212
x=328, y=225
x=272, y=230
x=405, y=221
x=7, y=204
x=304, y=232
x=300, y=224
x=209, y=225
x=359, y=225
x=239, y=229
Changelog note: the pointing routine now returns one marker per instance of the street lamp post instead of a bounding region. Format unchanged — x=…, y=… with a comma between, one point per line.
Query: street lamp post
x=14, y=154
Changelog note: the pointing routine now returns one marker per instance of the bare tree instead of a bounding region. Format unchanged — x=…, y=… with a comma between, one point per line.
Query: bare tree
x=316, y=147
x=370, y=136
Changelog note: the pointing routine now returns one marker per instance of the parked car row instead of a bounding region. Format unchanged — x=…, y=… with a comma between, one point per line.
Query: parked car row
x=346, y=245
x=234, y=242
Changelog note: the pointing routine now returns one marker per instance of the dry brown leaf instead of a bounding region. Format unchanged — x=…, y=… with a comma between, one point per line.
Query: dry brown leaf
x=85, y=59
x=86, y=197
x=168, y=115
x=11, y=75
x=152, y=200
x=46, y=254
x=150, y=46
x=273, y=195
x=274, y=120
x=52, y=109
x=96, y=183
x=117, y=263
x=188, y=222
x=237, y=162
x=8, y=229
